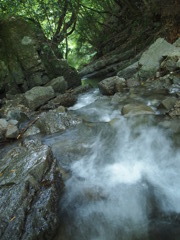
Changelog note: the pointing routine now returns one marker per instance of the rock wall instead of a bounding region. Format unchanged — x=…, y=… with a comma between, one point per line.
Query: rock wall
x=27, y=59
x=127, y=34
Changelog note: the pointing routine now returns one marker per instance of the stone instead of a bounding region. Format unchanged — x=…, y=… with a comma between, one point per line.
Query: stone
x=3, y=127
x=58, y=84
x=136, y=109
x=118, y=98
x=120, y=84
x=177, y=43
x=38, y=96
x=81, y=89
x=151, y=58
x=133, y=82
x=3, y=124
x=33, y=130
x=27, y=58
x=65, y=100
x=17, y=114
x=168, y=103
x=111, y=85
x=171, y=63
x=56, y=121
x=30, y=190
x=13, y=122
x=12, y=131
x=175, y=111
x=129, y=71
x=162, y=83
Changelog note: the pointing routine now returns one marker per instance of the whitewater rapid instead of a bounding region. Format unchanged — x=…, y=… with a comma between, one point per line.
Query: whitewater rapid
x=127, y=184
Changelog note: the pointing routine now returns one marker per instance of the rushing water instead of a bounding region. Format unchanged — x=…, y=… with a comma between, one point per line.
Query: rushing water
x=124, y=181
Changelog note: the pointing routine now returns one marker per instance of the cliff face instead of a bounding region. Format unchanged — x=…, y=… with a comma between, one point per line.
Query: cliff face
x=27, y=59
x=130, y=31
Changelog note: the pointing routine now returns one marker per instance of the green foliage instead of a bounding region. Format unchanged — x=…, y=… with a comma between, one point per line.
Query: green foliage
x=60, y=18
x=79, y=28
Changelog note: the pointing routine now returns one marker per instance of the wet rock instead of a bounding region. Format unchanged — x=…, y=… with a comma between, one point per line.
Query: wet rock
x=17, y=114
x=111, y=85
x=150, y=59
x=59, y=67
x=129, y=71
x=37, y=96
x=12, y=131
x=118, y=98
x=3, y=124
x=13, y=122
x=81, y=89
x=168, y=103
x=15, y=110
x=30, y=190
x=3, y=127
x=164, y=82
x=175, y=111
x=120, y=84
x=171, y=63
x=136, y=109
x=33, y=130
x=58, y=84
x=65, y=100
x=133, y=82
x=55, y=121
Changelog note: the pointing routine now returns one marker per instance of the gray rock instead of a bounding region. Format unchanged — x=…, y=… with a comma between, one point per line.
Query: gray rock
x=164, y=82
x=129, y=71
x=120, y=84
x=136, y=109
x=17, y=114
x=38, y=96
x=133, y=82
x=150, y=59
x=171, y=63
x=65, y=100
x=175, y=111
x=30, y=190
x=177, y=43
x=12, y=131
x=3, y=124
x=176, y=79
x=118, y=98
x=58, y=84
x=168, y=103
x=81, y=89
x=55, y=121
x=13, y=122
x=33, y=130
x=111, y=85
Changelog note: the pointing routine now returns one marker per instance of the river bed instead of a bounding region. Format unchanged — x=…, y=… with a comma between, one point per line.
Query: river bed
x=121, y=175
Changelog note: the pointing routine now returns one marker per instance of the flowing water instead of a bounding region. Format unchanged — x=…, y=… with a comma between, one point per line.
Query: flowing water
x=123, y=176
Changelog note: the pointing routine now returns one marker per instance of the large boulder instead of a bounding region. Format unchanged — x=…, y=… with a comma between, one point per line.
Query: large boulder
x=136, y=109
x=129, y=71
x=58, y=84
x=65, y=100
x=30, y=191
x=168, y=103
x=37, y=96
x=152, y=57
x=175, y=111
x=111, y=85
x=27, y=59
x=56, y=121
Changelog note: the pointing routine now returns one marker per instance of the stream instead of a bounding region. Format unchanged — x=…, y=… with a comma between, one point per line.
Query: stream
x=121, y=175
